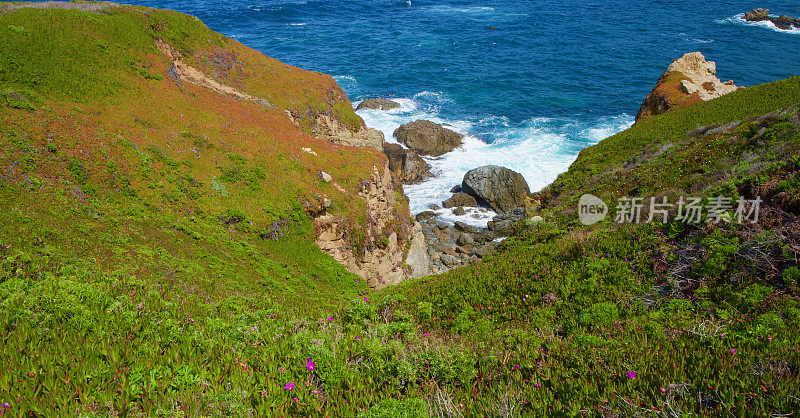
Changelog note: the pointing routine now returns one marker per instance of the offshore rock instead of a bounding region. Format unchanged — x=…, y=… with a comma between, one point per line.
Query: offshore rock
x=428, y=138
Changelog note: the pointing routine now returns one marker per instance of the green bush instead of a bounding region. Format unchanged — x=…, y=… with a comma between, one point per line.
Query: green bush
x=599, y=314
x=791, y=276
x=19, y=98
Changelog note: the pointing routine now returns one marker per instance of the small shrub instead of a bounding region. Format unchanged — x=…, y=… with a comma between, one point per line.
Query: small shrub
x=599, y=314
x=791, y=276
x=78, y=171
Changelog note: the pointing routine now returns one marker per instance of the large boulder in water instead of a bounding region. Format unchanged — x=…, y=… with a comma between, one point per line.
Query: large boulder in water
x=378, y=104
x=502, y=189
x=406, y=164
x=428, y=138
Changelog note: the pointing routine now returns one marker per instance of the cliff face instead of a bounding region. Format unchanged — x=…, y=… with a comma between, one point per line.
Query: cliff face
x=389, y=249
x=689, y=79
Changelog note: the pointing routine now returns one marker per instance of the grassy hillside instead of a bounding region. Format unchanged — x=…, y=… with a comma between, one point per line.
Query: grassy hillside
x=108, y=159
x=156, y=254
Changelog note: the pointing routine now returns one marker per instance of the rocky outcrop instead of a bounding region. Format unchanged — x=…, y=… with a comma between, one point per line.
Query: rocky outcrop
x=502, y=189
x=406, y=164
x=460, y=199
x=375, y=251
x=782, y=22
x=757, y=15
x=330, y=129
x=689, y=79
x=428, y=138
x=378, y=104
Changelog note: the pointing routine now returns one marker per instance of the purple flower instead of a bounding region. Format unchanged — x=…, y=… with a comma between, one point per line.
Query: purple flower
x=295, y=399
x=516, y=367
x=330, y=319
x=631, y=374
x=310, y=364
x=733, y=351
x=537, y=385
x=289, y=386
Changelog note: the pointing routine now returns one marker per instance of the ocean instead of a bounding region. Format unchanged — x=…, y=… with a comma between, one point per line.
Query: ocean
x=551, y=78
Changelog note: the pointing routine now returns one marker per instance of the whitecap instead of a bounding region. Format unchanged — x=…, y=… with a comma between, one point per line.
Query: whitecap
x=451, y=9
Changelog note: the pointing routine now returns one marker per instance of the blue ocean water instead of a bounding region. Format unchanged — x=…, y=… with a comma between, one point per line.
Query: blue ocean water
x=550, y=79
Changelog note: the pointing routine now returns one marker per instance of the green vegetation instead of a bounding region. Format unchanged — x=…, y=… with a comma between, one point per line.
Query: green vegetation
x=157, y=256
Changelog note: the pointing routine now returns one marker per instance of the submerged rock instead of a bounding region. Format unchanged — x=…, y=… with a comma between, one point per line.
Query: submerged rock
x=378, y=104
x=428, y=138
x=499, y=187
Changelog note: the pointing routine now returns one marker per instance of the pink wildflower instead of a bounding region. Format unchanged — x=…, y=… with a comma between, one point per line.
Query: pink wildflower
x=631, y=374
x=310, y=365
x=289, y=386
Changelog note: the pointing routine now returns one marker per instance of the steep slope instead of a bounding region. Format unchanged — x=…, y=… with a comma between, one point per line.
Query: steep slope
x=140, y=140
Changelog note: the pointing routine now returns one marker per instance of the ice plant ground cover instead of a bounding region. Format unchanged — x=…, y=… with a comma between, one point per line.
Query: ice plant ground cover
x=123, y=292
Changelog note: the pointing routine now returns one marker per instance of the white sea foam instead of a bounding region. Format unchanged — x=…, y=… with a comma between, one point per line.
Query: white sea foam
x=539, y=148
x=451, y=9
x=298, y=24
x=739, y=20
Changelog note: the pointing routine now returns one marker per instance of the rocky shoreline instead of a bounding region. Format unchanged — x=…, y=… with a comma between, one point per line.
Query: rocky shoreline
x=484, y=189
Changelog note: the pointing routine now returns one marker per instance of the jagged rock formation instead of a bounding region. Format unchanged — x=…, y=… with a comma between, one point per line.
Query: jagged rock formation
x=428, y=138
x=406, y=164
x=378, y=104
x=502, y=189
x=689, y=79
x=330, y=129
x=782, y=22
x=376, y=252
